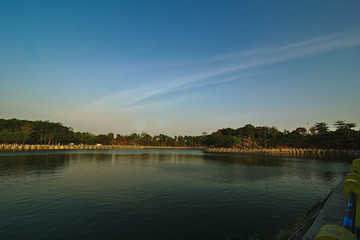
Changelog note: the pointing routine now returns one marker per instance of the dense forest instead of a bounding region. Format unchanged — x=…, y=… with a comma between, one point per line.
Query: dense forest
x=319, y=136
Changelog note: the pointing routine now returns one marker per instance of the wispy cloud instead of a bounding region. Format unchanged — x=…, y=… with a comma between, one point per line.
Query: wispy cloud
x=234, y=67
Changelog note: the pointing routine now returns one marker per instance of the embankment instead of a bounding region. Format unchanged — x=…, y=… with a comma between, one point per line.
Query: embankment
x=292, y=152
x=27, y=147
x=329, y=211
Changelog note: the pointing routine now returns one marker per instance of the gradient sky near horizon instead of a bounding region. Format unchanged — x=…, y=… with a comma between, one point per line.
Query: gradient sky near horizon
x=180, y=67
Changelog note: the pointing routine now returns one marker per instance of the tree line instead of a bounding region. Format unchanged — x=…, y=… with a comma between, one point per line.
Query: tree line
x=318, y=136
x=45, y=132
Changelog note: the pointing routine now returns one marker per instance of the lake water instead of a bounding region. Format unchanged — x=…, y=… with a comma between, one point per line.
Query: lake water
x=156, y=194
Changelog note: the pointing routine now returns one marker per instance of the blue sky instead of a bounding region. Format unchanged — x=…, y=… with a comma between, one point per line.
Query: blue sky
x=180, y=67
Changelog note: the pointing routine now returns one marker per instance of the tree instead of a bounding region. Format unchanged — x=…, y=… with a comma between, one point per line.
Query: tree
x=6, y=136
x=226, y=132
x=321, y=127
x=103, y=139
x=253, y=140
x=133, y=138
x=265, y=137
x=181, y=141
x=240, y=133
x=88, y=138
x=145, y=139
x=342, y=125
x=350, y=125
x=111, y=135
x=301, y=130
x=26, y=129
x=220, y=141
x=312, y=130
x=248, y=130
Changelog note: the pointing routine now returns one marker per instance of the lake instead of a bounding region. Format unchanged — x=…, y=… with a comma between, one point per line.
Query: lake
x=156, y=194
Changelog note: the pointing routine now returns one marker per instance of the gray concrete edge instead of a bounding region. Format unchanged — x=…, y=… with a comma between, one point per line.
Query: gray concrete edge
x=332, y=212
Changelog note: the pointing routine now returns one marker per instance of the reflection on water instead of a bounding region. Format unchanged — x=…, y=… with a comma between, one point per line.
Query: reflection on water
x=247, y=159
x=31, y=164
x=156, y=194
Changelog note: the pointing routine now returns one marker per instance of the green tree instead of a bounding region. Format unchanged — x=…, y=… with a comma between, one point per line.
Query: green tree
x=342, y=125
x=103, y=139
x=6, y=136
x=133, y=139
x=220, y=141
x=253, y=140
x=312, y=130
x=248, y=130
x=301, y=130
x=181, y=140
x=145, y=139
x=111, y=135
x=265, y=137
x=26, y=130
x=321, y=127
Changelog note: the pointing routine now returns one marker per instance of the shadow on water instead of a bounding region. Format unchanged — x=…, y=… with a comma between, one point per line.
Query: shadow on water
x=251, y=160
x=49, y=162
x=32, y=164
x=253, y=167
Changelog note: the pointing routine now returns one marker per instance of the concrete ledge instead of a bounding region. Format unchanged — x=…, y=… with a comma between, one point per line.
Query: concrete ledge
x=332, y=212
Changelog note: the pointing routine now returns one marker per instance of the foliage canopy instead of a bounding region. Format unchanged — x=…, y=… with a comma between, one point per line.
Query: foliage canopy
x=248, y=136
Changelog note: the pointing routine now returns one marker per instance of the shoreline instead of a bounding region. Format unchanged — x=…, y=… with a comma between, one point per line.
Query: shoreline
x=292, y=152
x=39, y=147
x=329, y=210
x=285, y=152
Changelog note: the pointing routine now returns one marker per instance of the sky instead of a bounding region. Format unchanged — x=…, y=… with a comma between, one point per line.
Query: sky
x=180, y=67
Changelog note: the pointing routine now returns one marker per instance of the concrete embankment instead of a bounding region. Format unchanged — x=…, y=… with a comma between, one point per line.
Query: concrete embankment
x=329, y=211
x=292, y=152
x=27, y=147
x=332, y=212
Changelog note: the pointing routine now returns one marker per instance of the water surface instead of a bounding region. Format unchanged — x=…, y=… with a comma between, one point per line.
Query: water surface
x=156, y=194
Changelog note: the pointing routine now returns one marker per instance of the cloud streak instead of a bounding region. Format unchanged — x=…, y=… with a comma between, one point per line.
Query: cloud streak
x=234, y=67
